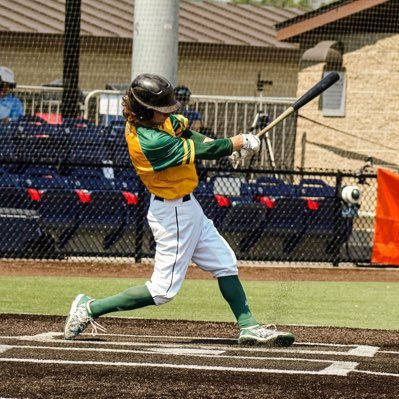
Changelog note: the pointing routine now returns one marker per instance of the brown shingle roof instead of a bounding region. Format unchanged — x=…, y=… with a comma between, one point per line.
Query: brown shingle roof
x=199, y=21
x=345, y=16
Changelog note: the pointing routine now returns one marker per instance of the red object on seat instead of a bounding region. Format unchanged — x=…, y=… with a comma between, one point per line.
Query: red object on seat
x=131, y=199
x=50, y=118
x=312, y=205
x=84, y=196
x=269, y=202
x=34, y=194
x=222, y=200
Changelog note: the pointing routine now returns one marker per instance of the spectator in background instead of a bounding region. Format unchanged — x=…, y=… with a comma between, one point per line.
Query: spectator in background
x=182, y=94
x=10, y=106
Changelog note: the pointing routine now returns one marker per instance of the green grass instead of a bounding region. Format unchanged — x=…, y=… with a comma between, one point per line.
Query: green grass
x=346, y=304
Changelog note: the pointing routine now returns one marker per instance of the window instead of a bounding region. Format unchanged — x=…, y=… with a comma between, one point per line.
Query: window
x=333, y=99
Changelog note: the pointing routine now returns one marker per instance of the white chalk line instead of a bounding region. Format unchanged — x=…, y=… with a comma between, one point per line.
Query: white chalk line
x=339, y=368
x=178, y=352
x=356, y=351
x=375, y=373
x=335, y=368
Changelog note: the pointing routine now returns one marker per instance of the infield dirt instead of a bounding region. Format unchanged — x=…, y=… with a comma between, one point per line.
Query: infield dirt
x=140, y=358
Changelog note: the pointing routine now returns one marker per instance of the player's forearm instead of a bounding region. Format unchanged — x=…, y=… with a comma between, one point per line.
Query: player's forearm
x=237, y=142
x=196, y=136
x=213, y=149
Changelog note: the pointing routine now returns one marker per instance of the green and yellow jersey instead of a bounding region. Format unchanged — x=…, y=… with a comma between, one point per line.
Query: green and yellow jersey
x=164, y=156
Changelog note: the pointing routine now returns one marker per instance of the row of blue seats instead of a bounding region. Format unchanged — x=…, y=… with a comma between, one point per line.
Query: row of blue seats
x=63, y=143
x=270, y=206
x=66, y=213
x=87, y=178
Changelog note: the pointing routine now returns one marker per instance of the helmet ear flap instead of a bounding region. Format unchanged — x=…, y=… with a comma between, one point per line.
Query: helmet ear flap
x=143, y=113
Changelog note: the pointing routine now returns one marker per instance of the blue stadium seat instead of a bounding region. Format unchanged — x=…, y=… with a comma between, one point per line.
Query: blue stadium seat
x=87, y=145
x=7, y=179
x=40, y=177
x=20, y=231
x=19, y=222
x=215, y=206
x=273, y=187
x=29, y=120
x=87, y=178
x=315, y=188
x=60, y=212
x=77, y=122
x=126, y=179
x=12, y=195
x=116, y=144
x=83, y=222
x=7, y=142
x=41, y=143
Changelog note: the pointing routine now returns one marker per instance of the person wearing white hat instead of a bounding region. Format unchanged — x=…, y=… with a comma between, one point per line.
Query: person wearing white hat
x=10, y=106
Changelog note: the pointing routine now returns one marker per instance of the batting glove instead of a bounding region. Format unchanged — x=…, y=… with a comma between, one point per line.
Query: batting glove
x=251, y=142
x=236, y=156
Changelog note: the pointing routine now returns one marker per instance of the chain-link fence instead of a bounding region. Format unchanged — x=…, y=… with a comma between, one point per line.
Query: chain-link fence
x=69, y=191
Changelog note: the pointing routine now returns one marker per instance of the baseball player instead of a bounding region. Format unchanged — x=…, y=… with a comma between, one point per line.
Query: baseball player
x=163, y=151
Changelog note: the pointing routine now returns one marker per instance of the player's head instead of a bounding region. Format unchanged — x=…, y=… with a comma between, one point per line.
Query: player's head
x=7, y=80
x=182, y=94
x=146, y=94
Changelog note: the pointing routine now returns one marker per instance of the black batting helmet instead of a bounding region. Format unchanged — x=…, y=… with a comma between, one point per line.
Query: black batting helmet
x=182, y=93
x=152, y=92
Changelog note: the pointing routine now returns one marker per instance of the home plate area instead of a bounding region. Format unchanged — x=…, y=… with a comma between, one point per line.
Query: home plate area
x=118, y=364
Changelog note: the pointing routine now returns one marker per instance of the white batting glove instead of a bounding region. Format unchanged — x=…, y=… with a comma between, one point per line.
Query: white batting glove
x=236, y=156
x=251, y=142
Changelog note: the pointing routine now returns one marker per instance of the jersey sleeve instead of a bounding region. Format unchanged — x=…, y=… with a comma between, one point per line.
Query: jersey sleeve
x=213, y=149
x=179, y=124
x=193, y=135
x=164, y=151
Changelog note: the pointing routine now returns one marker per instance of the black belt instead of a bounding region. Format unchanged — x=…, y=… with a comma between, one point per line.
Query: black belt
x=185, y=198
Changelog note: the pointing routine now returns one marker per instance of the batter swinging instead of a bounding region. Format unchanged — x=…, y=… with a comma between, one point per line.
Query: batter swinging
x=163, y=150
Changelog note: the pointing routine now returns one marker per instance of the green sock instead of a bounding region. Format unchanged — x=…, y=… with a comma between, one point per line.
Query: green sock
x=233, y=293
x=132, y=298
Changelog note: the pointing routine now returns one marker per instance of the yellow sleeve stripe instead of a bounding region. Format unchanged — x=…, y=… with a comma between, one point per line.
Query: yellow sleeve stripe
x=185, y=148
x=192, y=147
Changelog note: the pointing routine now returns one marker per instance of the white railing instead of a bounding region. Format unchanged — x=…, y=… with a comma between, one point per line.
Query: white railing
x=225, y=115
x=43, y=101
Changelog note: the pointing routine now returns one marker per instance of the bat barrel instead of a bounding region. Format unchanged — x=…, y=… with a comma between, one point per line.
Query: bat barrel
x=316, y=90
x=312, y=93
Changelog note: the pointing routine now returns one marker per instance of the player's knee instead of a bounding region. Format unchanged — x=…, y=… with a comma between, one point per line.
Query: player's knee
x=162, y=299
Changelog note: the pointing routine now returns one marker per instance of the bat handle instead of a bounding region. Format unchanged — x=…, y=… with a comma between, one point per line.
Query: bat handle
x=271, y=125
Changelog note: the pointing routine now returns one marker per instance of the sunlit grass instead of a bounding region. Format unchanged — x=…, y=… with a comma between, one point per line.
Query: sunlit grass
x=347, y=304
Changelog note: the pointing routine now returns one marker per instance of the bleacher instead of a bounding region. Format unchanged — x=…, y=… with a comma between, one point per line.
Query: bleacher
x=58, y=186
x=270, y=219
x=69, y=189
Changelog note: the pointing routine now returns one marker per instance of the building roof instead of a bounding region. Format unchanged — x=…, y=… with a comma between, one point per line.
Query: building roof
x=199, y=21
x=343, y=15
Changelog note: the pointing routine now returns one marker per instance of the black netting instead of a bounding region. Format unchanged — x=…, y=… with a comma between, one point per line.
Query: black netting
x=67, y=187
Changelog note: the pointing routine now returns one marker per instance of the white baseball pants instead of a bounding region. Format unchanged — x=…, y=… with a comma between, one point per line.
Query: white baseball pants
x=183, y=234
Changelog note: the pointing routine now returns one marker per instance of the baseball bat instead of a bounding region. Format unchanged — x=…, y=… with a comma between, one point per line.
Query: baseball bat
x=312, y=93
